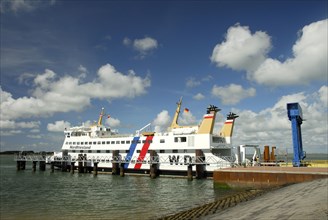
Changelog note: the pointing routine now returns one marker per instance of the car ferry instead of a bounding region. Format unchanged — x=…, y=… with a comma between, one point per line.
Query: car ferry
x=170, y=151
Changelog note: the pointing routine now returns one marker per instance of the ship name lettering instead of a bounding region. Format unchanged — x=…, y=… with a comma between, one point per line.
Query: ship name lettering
x=80, y=147
x=176, y=160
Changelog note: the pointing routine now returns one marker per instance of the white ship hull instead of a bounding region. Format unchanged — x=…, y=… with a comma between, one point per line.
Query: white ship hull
x=174, y=152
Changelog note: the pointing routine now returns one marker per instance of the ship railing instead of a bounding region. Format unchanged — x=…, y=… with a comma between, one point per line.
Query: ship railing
x=155, y=160
x=30, y=157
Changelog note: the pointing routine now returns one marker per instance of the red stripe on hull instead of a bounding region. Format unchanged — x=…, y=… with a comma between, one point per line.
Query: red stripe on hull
x=143, y=152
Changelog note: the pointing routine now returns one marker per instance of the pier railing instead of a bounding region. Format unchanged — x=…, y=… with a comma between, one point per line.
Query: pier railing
x=178, y=160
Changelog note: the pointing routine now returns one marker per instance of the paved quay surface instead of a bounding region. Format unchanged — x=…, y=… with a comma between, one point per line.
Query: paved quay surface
x=301, y=201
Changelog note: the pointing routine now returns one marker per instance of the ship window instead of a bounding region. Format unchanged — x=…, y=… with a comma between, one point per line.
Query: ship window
x=74, y=143
x=139, y=141
x=78, y=143
x=128, y=142
x=150, y=141
x=86, y=143
x=70, y=143
x=218, y=140
x=98, y=151
x=112, y=142
x=162, y=151
x=122, y=142
x=180, y=139
x=138, y=151
x=162, y=141
x=99, y=142
x=81, y=151
x=175, y=151
x=107, y=151
x=103, y=142
x=73, y=151
x=144, y=141
x=108, y=142
x=94, y=142
x=82, y=143
x=117, y=142
x=127, y=151
x=89, y=151
x=66, y=143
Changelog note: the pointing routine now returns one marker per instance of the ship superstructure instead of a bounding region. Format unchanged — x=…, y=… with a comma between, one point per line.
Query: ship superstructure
x=174, y=149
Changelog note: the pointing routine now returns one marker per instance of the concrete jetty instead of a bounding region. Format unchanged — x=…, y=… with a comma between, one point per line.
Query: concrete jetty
x=266, y=176
x=306, y=201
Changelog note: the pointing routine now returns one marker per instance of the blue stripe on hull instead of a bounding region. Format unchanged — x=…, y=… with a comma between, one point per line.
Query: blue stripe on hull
x=131, y=150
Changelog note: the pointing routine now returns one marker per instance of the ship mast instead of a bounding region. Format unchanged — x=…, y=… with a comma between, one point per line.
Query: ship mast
x=176, y=115
x=100, y=117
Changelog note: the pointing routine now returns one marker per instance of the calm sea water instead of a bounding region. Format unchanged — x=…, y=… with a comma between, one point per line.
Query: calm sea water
x=45, y=195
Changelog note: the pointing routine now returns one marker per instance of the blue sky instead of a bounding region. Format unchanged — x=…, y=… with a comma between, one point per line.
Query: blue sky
x=62, y=61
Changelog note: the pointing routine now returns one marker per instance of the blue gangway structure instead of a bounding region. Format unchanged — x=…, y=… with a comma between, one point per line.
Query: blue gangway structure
x=295, y=115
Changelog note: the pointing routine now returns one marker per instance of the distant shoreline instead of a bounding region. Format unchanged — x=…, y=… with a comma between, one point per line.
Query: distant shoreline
x=27, y=152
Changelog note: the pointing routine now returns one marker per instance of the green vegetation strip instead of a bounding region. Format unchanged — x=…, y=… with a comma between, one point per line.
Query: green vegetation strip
x=215, y=207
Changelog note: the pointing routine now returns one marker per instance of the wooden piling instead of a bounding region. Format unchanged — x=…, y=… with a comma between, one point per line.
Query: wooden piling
x=42, y=165
x=18, y=165
x=85, y=164
x=153, y=164
x=34, y=166
x=200, y=167
x=122, y=171
x=80, y=162
x=80, y=167
x=22, y=165
x=72, y=167
x=189, y=173
x=52, y=167
x=95, y=168
x=63, y=166
x=115, y=163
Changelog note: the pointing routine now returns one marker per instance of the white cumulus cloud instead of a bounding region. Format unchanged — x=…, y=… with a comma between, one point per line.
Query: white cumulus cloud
x=52, y=94
x=162, y=121
x=58, y=126
x=113, y=122
x=144, y=45
x=232, y=94
x=245, y=51
x=23, y=5
x=309, y=61
x=198, y=96
x=241, y=49
x=187, y=118
x=272, y=127
x=192, y=82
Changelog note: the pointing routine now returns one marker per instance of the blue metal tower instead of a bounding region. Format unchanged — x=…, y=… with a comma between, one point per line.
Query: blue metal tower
x=295, y=115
